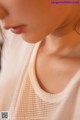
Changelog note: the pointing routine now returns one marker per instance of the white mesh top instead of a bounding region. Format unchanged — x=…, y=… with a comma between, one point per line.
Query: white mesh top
x=33, y=103
x=25, y=99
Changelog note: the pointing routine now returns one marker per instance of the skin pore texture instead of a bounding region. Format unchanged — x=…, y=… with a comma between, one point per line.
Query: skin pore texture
x=54, y=25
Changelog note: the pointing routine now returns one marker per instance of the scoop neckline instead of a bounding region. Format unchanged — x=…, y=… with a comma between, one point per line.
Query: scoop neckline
x=48, y=97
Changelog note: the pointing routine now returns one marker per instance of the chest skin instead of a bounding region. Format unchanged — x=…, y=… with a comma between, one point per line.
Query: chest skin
x=53, y=73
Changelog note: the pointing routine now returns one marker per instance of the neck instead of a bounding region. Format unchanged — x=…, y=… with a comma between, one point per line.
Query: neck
x=67, y=46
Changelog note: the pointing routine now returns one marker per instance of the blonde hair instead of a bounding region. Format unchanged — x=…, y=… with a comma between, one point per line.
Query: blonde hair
x=77, y=17
x=72, y=20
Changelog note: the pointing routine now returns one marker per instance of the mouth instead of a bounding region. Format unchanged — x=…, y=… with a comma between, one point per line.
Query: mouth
x=16, y=29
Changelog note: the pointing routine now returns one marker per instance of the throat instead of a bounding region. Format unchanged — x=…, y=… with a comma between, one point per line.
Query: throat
x=60, y=47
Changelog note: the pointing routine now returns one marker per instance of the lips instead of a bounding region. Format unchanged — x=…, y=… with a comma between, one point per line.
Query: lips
x=16, y=29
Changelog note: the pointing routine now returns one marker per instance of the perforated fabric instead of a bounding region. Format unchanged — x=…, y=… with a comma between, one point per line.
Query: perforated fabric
x=31, y=102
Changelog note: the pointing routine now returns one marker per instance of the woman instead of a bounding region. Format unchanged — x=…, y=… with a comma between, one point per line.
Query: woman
x=43, y=71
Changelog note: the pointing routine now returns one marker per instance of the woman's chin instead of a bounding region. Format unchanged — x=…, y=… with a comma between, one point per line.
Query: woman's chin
x=30, y=39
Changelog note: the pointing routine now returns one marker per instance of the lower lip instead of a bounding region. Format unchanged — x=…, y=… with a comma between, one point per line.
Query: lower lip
x=18, y=30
